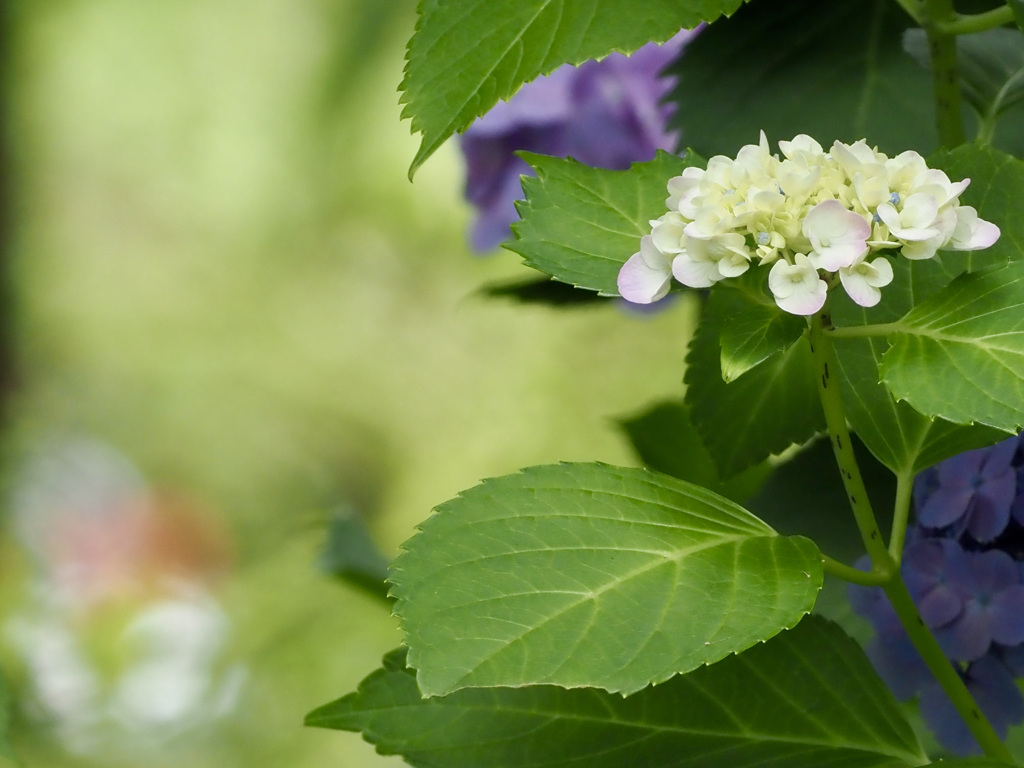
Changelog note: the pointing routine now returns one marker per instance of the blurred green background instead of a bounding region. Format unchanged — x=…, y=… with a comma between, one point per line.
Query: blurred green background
x=221, y=274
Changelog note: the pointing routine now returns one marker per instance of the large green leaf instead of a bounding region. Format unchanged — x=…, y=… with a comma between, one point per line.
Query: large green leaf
x=466, y=55
x=806, y=698
x=580, y=224
x=959, y=355
x=833, y=70
x=591, y=575
x=768, y=409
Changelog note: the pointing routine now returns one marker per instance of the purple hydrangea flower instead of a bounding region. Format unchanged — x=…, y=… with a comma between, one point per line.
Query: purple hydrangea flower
x=934, y=571
x=606, y=113
x=993, y=607
x=992, y=685
x=974, y=490
x=963, y=564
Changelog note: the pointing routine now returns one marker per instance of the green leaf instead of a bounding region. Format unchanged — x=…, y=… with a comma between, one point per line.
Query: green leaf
x=990, y=67
x=771, y=407
x=352, y=556
x=757, y=328
x=959, y=355
x=667, y=441
x=805, y=496
x=833, y=70
x=466, y=55
x=591, y=575
x=807, y=698
x=580, y=224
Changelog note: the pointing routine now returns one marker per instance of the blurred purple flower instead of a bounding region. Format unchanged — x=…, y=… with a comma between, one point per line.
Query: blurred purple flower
x=934, y=571
x=992, y=686
x=963, y=564
x=993, y=608
x=606, y=113
x=974, y=490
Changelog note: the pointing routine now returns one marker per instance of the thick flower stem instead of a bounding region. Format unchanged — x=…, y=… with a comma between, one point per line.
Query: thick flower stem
x=884, y=567
x=944, y=672
x=942, y=45
x=842, y=447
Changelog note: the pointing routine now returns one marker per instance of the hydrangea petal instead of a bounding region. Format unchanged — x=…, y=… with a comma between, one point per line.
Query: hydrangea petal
x=837, y=235
x=972, y=233
x=647, y=274
x=862, y=280
x=797, y=287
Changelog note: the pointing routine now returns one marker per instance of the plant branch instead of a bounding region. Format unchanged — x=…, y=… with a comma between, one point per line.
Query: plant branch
x=842, y=447
x=948, y=677
x=900, y=514
x=860, y=331
x=942, y=45
x=884, y=568
x=854, y=575
x=966, y=24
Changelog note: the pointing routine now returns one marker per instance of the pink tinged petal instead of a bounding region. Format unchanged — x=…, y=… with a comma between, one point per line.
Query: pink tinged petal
x=972, y=233
x=837, y=235
x=646, y=276
x=797, y=287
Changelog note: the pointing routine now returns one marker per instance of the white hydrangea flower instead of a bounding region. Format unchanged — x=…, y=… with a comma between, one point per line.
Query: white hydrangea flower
x=705, y=261
x=972, y=233
x=811, y=215
x=797, y=287
x=838, y=235
x=862, y=280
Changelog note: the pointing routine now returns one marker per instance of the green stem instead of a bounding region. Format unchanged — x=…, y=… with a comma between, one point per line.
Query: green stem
x=884, y=569
x=842, y=447
x=944, y=672
x=860, y=331
x=854, y=575
x=942, y=45
x=900, y=514
x=968, y=24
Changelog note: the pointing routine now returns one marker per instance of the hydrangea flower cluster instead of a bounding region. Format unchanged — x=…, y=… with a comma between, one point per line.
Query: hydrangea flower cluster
x=811, y=215
x=964, y=567
x=608, y=113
